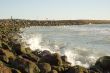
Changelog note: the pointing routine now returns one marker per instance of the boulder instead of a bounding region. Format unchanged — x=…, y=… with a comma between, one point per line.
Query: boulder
x=57, y=59
x=41, y=53
x=95, y=69
x=37, y=52
x=64, y=61
x=103, y=63
x=77, y=69
x=15, y=70
x=52, y=59
x=6, y=55
x=53, y=71
x=5, y=46
x=25, y=65
x=4, y=69
x=45, y=53
x=59, y=69
x=19, y=49
x=31, y=57
x=45, y=67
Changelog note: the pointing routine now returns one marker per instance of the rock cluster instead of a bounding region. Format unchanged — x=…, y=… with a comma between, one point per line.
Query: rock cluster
x=15, y=59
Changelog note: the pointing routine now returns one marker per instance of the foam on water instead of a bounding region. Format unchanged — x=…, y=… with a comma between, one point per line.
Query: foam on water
x=77, y=55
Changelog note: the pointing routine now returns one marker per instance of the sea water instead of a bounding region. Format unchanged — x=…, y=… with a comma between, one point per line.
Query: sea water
x=82, y=44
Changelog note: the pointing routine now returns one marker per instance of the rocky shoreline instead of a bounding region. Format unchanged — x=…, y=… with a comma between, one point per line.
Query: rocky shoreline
x=27, y=23
x=15, y=58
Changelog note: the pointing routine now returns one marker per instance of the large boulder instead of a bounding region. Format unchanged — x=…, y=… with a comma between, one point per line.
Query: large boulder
x=25, y=65
x=15, y=70
x=6, y=55
x=45, y=67
x=65, y=61
x=53, y=71
x=39, y=53
x=57, y=59
x=5, y=46
x=103, y=63
x=59, y=69
x=95, y=69
x=77, y=69
x=4, y=69
x=18, y=48
x=52, y=59
x=31, y=57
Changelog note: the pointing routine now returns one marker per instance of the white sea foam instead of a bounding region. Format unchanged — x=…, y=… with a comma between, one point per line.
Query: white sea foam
x=47, y=38
x=77, y=56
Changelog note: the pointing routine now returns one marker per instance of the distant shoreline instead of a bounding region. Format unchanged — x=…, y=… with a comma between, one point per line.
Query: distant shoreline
x=26, y=23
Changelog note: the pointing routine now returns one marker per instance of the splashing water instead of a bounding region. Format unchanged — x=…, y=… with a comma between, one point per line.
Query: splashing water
x=33, y=40
x=77, y=56
x=47, y=39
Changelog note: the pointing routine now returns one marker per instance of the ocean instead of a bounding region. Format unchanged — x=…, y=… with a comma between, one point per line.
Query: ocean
x=82, y=44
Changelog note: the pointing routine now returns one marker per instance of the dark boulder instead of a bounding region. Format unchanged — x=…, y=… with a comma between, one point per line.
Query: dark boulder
x=31, y=57
x=45, y=53
x=53, y=71
x=103, y=63
x=25, y=66
x=18, y=47
x=59, y=69
x=64, y=61
x=5, y=46
x=15, y=70
x=77, y=69
x=44, y=67
x=57, y=59
x=52, y=59
x=6, y=55
x=4, y=69
x=41, y=53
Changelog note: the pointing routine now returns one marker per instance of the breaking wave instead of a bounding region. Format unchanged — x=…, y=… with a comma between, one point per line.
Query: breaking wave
x=77, y=55
x=82, y=45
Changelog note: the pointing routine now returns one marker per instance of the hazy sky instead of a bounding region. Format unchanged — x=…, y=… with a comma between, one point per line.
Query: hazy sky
x=55, y=9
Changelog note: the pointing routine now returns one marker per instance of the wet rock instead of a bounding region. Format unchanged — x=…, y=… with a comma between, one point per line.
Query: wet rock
x=77, y=69
x=19, y=50
x=52, y=59
x=64, y=61
x=37, y=52
x=4, y=59
x=6, y=55
x=59, y=69
x=45, y=67
x=103, y=63
x=25, y=66
x=57, y=59
x=53, y=71
x=95, y=69
x=45, y=53
x=15, y=70
x=16, y=47
x=31, y=57
x=4, y=69
x=41, y=53
x=5, y=46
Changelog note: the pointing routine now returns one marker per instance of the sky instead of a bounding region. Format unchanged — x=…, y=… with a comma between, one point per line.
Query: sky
x=55, y=9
